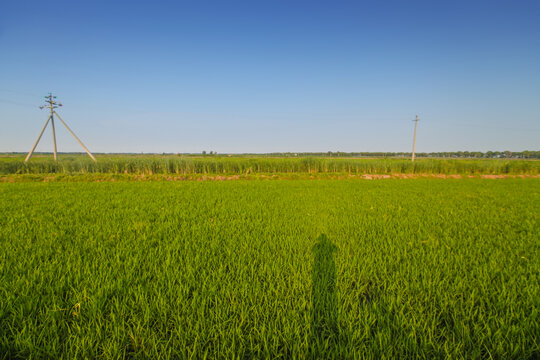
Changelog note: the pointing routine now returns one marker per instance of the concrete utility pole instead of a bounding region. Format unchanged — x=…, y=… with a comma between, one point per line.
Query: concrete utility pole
x=51, y=105
x=414, y=139
x=76, y=138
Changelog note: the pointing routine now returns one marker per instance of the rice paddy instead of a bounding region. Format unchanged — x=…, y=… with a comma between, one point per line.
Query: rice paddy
x=305, y=269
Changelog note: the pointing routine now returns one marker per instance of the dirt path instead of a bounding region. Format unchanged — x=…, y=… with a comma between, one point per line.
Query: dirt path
x=200, y=177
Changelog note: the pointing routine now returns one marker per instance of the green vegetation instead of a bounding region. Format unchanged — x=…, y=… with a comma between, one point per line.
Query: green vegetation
x=271, y=269
x=183, y=165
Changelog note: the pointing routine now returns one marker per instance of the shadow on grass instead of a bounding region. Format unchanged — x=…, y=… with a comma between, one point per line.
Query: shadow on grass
x=324, y=321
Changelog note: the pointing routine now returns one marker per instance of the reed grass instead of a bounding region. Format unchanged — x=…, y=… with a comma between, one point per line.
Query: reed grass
x=262, y=165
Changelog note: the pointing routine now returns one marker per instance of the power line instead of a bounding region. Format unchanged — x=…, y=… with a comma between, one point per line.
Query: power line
x=20, y=93
x=483, y=126
x=18, y=103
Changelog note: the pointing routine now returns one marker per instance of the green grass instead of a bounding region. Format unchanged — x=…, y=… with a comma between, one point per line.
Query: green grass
x=271, y=269
x=186, y=165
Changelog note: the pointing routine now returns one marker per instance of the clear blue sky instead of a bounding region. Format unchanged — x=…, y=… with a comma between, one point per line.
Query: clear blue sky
x=264, y=76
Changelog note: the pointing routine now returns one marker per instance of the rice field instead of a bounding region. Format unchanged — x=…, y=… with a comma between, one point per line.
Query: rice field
x=423, y=268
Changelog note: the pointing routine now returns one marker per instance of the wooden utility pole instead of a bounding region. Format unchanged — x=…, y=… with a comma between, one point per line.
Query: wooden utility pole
x=51, y=105
x=414, y=139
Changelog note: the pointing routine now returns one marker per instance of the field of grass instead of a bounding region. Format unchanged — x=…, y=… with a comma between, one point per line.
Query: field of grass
x=219, y=165
x=271, y=269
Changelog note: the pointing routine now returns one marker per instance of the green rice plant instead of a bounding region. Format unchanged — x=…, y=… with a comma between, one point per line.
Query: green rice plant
x=419, y=268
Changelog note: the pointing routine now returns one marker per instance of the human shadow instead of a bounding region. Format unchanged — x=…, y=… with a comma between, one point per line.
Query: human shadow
x=324, y=320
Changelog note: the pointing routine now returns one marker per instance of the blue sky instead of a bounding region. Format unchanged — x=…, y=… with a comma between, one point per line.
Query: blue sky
x=265, y=76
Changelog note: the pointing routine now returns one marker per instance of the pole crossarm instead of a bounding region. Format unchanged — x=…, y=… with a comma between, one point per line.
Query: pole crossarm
x=52, y=104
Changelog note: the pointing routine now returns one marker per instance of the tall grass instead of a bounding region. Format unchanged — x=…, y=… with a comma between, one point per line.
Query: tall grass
x=254, y=165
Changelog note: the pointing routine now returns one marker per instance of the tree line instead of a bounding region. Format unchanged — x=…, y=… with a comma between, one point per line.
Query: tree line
x=527, y=154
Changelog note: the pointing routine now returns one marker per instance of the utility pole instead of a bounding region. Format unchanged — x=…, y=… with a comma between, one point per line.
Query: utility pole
x=414, y=139
x=51, y=105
